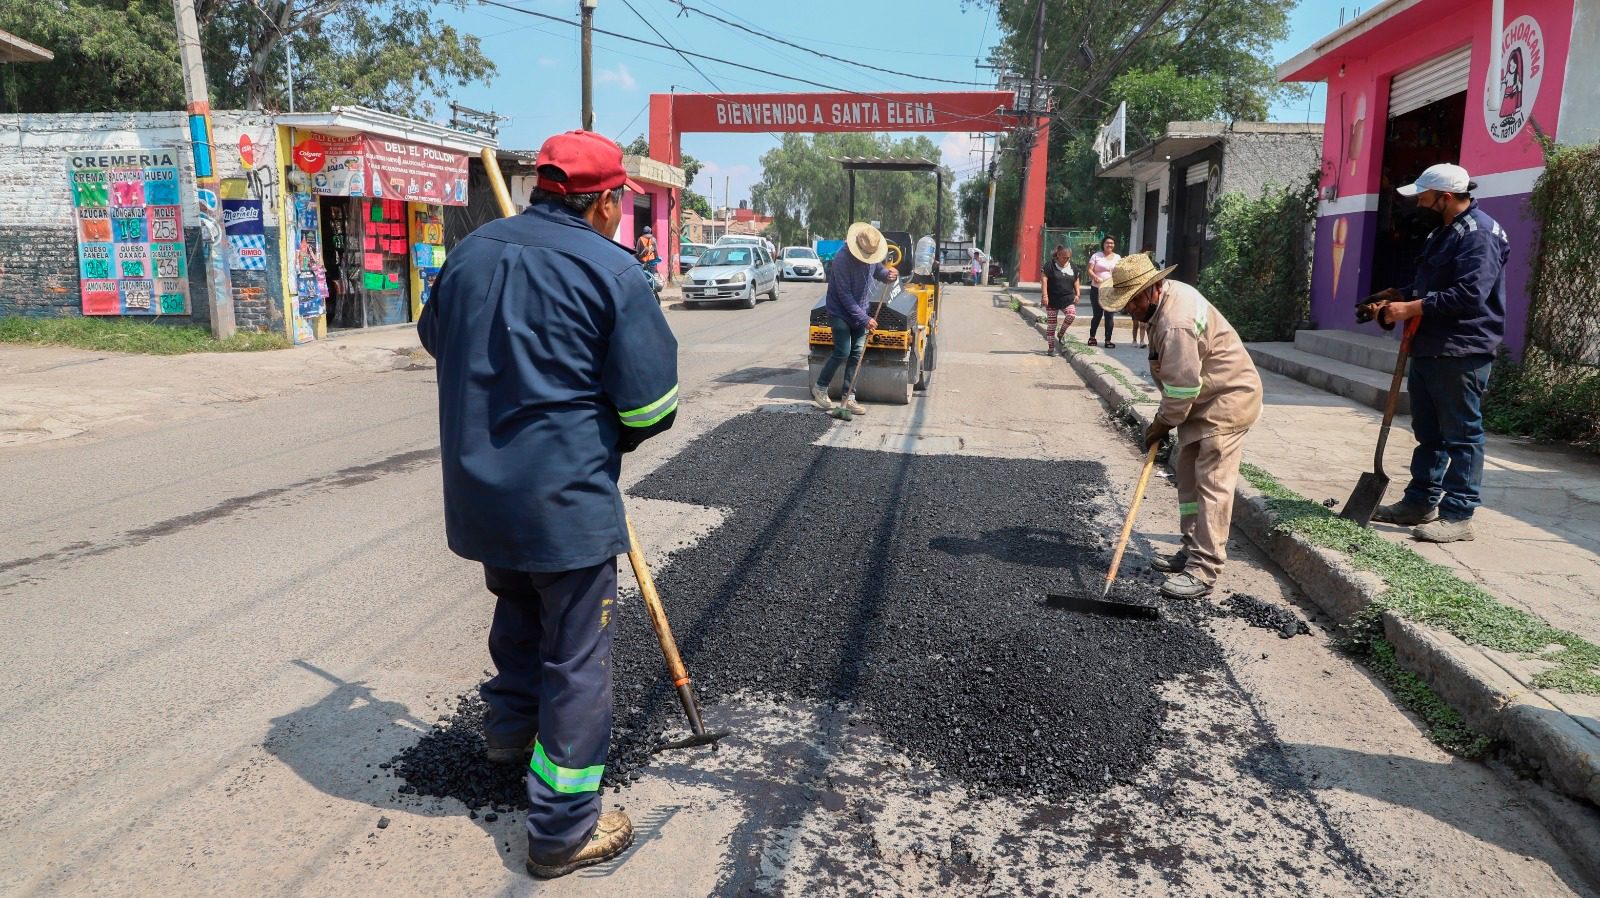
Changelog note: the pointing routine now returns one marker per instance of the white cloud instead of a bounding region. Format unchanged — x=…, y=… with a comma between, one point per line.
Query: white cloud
x=619, y=76
x=548, y=62
x=960, y=151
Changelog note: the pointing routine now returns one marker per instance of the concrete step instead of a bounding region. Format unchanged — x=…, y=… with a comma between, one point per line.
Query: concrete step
x=1363, y=385
x=1372, y=351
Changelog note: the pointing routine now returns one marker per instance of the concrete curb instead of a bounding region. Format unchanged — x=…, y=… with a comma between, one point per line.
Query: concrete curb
x=1491, y=699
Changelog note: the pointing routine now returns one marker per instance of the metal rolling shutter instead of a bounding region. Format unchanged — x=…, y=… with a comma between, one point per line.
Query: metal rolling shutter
x=1196, y=173
x=1430, y=82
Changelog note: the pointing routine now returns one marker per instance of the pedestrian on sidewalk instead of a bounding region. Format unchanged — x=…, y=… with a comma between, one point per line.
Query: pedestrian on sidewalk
x=1060, y=296
x=850, y=292
x=1460, y=291
x=553, y=360
x=1101, y=266
x=645, y=250
x=1210, y=395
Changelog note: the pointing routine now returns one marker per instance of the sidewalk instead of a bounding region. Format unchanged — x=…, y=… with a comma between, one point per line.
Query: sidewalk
x=1537, y=548
x=56, y=392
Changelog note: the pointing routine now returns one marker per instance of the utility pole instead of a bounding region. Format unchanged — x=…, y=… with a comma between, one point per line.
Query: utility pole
x=586, y=10
x=727, y=205
x=219, y=282
x=988, y=228
x=1032, y=106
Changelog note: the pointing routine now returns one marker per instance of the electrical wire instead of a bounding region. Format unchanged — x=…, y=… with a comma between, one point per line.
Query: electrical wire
x=764, y=35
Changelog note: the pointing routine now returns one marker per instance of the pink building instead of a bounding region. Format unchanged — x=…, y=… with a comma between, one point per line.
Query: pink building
x=653, y=208
x=1414, y=82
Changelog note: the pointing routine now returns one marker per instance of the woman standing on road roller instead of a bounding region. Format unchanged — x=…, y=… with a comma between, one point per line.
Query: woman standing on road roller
x=849, y=291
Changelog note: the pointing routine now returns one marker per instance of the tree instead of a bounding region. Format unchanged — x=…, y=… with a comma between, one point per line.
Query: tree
x=393, y=55
x=1171, y=60
x=691, y=166
x=808, y=194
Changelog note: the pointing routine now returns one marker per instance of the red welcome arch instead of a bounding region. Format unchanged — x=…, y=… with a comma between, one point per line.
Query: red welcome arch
x=673, y=115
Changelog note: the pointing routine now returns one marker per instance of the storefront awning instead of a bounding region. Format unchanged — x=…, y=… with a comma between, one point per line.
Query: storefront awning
x=653, y=171
x=351, y=151
x=15, y=49
x=1362, y=36
x=1150, y=161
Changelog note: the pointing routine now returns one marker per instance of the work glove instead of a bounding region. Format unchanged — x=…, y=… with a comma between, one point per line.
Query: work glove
x=1155, y=433
x=1372, y=307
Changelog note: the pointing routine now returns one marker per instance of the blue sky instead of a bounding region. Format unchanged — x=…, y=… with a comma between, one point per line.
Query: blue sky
x=538, y=83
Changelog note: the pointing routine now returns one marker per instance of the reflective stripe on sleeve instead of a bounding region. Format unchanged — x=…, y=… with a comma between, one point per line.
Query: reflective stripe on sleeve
x=1202, y=317
x=655, y=411
x=1180, y=392
x=1188, y=508
x=566, y=780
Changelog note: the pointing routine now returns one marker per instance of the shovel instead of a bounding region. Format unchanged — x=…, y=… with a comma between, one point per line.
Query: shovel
x=1368, y=494
x=1104, y=604
x=698, y=734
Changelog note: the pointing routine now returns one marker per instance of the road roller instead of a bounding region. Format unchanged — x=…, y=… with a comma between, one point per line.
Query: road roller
x=902, y=351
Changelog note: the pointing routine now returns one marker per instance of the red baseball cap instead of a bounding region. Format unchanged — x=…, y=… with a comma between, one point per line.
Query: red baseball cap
x=590, y=162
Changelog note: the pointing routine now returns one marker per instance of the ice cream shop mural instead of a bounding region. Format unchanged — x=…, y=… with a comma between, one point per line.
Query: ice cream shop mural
x=1411, y=83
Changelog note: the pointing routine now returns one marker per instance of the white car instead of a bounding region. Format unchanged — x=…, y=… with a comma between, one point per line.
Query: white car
x=733, y=273
x=747, y=240
x=801, y=263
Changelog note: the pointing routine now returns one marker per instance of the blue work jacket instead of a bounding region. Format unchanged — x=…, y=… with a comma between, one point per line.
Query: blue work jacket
x=849, y=287
x=553, y=360
x=1461, y=281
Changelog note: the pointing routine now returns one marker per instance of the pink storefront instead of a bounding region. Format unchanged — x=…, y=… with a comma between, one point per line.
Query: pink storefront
x=1409, y=84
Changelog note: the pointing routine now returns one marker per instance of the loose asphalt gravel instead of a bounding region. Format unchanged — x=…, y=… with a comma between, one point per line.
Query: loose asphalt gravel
x=908, y=588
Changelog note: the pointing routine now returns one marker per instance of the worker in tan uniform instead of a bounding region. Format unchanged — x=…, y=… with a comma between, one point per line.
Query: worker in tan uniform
x=1210, y=395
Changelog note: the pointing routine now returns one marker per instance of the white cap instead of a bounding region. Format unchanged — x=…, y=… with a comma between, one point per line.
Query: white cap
x=1444, y=177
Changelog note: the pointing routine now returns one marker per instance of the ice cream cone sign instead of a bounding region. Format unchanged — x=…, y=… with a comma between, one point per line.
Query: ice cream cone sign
x=1357, y=133
x=1341, y=227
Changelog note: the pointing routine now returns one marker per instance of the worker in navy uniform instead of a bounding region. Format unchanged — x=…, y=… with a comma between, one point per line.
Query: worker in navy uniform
x=553, y=360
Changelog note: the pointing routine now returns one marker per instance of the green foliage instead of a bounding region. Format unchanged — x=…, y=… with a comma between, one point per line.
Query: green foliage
x=1259, y=273
x=1543, y=399
x=1553, y=393
x=691, y=170
x=806, y=192
x=1445, y=725
x=1431, y=594
x=121, y=335
x=1202, y=59
x=393, y=55
x=108, y=56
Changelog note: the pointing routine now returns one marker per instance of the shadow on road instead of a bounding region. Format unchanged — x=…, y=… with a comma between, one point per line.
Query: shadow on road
x=337, y=744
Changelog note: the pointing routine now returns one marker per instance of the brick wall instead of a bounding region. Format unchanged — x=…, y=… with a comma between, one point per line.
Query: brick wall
x=38, y=241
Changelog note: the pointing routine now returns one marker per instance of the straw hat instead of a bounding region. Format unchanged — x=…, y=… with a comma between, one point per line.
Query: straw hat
x=866, y=243
x=1129, y=278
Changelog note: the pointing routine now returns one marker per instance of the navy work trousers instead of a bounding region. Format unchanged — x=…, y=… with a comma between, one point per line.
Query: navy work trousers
x=551, y=645
x=848, y=345
x=1447, y=418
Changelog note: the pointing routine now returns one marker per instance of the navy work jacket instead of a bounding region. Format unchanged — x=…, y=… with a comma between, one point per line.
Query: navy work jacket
x=553, y=360
x=1461, y=281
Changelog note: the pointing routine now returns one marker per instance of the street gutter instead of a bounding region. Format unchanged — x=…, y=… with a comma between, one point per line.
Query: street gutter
x=1493, y=700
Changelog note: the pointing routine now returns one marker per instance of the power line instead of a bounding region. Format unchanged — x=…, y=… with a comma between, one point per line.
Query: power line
x=657, y=31
x=683, y=5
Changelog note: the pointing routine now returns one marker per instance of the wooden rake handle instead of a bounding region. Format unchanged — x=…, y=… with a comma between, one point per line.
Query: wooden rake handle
x=1133, y=512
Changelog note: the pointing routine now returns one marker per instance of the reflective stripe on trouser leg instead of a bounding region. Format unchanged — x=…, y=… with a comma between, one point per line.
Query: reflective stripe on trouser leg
x=1216, y=467
x=574, y=710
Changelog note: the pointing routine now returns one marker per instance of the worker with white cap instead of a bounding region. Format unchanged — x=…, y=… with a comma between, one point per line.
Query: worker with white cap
x=1460, y=295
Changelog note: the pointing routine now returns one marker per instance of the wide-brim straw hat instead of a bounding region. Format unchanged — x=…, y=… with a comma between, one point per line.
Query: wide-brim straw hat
x=1130, y=277
x=866, y=243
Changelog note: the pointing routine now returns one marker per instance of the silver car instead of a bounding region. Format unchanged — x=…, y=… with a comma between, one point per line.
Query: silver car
x=800, y=263
x=733, y=273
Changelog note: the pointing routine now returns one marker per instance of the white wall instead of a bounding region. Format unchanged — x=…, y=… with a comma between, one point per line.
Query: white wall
x=1580, y=100
x=34, y=190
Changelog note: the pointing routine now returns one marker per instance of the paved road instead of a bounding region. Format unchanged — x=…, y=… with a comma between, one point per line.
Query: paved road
x=217, y=628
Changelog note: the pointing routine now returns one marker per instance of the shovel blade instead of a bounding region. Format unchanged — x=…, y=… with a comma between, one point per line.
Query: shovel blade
x=1107, y=607
x=1365, y=498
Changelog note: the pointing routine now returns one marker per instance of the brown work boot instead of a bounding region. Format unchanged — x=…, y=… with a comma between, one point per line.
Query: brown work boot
x=1184, y=585
x=1170, y=564
x=1444, y=531
x=1405, y=514
x=515, y=752
x=612, y=835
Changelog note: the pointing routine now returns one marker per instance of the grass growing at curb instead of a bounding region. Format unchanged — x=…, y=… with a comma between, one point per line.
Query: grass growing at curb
x=1427, y=593
x=1140, y=396
x=116, y=335
x=1445, y=726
